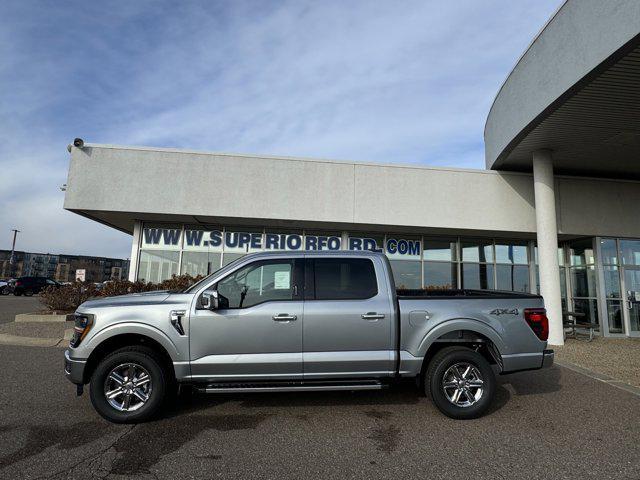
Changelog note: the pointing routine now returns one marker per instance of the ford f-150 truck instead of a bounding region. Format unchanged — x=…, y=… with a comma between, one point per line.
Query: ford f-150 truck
x=309, y=321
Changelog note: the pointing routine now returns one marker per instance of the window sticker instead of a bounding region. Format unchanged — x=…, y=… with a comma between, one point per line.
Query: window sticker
x=282, y=280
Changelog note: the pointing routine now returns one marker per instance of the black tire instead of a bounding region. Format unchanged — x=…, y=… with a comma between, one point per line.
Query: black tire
x=28, y=292
x=145, y=357
x=17, y=293
x=435, y=378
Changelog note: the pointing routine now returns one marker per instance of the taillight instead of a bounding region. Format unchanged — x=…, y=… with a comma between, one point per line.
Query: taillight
x=18, y=283
x=538, y=321
x=83, y=324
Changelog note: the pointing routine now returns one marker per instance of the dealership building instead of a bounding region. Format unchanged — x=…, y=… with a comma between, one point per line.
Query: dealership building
x=557, y=210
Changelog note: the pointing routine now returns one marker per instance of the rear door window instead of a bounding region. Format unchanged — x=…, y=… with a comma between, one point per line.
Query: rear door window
x=344, y=279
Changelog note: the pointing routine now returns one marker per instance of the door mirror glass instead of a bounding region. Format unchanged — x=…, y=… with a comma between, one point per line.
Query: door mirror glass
x=210, y=299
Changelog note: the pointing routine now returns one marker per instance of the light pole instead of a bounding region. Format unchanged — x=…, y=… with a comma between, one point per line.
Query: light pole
x=12, y=259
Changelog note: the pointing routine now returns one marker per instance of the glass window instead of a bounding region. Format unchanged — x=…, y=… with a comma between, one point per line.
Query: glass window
x=204, y=239
x=364, y=241
x=512, y=277
x=581, y=252
x=162, y=237
x=406, y=274
x=611, y=282
x=587, y=306
x=630, y=252
x=227, y=258
x=158, y=265
x=583, y=281
x=440, y=250
x=242, y=240
x=199, y=263
x=282, y=240
x=477, y=251
x=608, y=251
x=440, y=275
x=322, y=240
x=477, y=276
x=256, y=283
x=344, y=278
x=512, y=253
x=614, y=314
x=403, y=247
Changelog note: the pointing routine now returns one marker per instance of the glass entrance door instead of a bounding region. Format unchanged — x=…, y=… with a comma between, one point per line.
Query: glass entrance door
x=632, y=297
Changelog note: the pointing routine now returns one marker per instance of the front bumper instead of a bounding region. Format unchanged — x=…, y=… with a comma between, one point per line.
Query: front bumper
x=547, y=358
x=74, y=369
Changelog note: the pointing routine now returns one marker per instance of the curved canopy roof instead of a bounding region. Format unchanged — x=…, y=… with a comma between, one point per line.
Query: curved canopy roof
x=575, y=91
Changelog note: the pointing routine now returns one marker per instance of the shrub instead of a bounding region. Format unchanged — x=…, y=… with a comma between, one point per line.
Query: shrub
x=67, y=298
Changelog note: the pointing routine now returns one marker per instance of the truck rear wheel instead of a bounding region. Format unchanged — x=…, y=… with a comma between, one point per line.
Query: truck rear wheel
x=129, y=385
x=461, y=382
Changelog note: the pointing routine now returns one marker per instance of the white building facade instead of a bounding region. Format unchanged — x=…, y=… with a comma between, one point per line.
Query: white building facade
x=556, y=211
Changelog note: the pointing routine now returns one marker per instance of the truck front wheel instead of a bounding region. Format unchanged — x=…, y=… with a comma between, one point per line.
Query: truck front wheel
x=461, y=382
x=129, y=385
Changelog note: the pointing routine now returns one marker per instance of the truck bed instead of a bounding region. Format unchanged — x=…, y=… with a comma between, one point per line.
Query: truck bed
x=416, y=294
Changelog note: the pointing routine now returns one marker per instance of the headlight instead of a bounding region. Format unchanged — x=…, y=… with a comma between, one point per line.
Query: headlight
x=83, y=323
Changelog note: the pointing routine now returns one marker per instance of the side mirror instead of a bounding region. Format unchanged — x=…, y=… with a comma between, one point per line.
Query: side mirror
x=210, y=300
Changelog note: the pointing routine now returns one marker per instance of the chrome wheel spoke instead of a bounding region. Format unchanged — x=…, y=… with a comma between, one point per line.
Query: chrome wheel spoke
x=456, y=395
x=462, y=384
x=126, y=401
x=113, y=393
x=470, y=397
x=116, y=378
x=128, y=387
x=141, y=395
x=143, y=379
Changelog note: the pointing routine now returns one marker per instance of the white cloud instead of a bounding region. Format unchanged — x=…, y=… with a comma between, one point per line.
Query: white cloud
x=380, y=81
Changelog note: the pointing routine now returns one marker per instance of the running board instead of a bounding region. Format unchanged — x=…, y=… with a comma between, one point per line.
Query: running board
x=244, y=387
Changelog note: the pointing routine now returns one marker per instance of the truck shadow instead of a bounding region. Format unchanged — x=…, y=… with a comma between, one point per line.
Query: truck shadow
x=533, y=382
x=405, y=393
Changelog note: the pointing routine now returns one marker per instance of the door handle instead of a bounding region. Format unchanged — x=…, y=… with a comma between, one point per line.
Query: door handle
x=284, y=317
x=372, y=316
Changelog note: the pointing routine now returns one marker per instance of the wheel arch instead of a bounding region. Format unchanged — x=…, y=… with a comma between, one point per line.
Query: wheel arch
x=121, y=340
x=462, y=332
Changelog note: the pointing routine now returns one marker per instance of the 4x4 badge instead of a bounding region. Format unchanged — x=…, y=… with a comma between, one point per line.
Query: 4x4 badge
x=504, y=311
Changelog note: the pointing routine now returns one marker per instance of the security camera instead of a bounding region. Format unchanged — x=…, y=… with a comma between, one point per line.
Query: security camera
x=78, y=143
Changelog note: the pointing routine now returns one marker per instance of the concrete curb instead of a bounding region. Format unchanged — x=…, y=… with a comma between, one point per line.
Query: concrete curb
x=600, y=377
x=17, y=340
x=40, y=318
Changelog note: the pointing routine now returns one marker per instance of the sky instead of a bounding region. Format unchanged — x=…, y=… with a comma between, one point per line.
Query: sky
x=382, y=81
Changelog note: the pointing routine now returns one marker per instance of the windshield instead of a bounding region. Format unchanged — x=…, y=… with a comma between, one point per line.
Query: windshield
x=204, y=280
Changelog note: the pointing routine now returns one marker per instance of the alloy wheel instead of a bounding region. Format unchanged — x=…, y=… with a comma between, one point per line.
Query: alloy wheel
x=128, y=387
x=463, y=384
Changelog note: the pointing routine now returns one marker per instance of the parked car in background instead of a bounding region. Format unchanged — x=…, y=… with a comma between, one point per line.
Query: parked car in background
x=29, y=285
x=4, y=287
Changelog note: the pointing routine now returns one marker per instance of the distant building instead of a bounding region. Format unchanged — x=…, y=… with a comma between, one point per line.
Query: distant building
x=62, y=267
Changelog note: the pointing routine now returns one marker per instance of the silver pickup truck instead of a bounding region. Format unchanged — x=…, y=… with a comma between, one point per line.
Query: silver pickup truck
x=303, y=322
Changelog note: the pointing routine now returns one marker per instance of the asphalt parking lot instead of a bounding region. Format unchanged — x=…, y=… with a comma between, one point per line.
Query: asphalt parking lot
x=10, y=306
x=555, y=423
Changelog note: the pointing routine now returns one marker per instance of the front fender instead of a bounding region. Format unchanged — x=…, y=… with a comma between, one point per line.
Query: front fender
x=135, y=328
